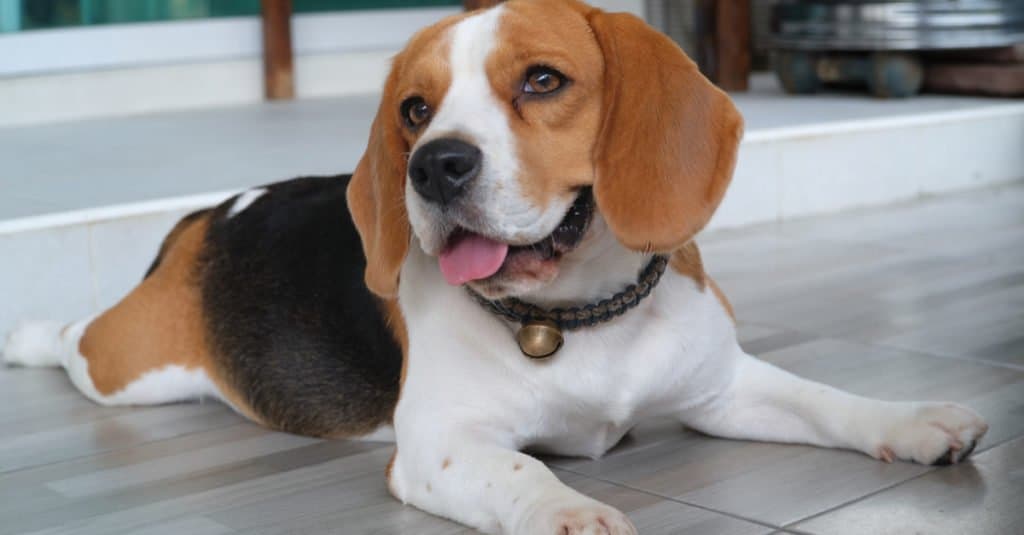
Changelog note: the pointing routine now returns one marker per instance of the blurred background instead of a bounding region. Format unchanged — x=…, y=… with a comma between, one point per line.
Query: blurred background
x=808, y=43
x=118, y=116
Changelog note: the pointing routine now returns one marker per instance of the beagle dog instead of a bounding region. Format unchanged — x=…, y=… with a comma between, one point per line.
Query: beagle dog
x=511, y=267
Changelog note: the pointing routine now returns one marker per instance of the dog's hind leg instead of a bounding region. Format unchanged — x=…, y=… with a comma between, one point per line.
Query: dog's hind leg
x=52, y=344
x=44, y=343
x=763, y=402
x=37, y=343
x=103, y=375
x=150, y=348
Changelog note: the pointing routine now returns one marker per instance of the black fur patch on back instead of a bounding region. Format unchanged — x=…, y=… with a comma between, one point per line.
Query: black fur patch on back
x=292, y=324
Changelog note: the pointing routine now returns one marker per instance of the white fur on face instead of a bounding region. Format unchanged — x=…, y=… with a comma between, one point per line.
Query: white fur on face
x=495, y=205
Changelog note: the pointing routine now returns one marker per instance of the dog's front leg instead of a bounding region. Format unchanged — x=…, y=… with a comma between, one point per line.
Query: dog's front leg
x=762, y=402
x=475, y=481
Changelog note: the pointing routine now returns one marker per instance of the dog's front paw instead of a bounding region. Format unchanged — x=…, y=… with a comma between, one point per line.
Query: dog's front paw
x=584, y=517
x=934, y=433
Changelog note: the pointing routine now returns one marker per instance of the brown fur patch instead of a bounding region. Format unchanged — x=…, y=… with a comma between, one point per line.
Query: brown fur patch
x=555, y=135
x=722, y=299
x=376, y=194
x=391, y=466
x=172, y=237
x=160, y=323
x=396, y=321
x=687, y=262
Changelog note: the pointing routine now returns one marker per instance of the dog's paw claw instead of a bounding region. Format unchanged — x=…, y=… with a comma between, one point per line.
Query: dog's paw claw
x=955, y=455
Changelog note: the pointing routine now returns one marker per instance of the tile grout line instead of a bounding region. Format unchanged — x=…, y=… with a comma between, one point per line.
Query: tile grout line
x=931, y=470
x=674, y=500
x=789, y=526
x=877, y=345
x=93, y=275
x=4, y=474
x=919, y=353
x=146, y=523
x=989, y=362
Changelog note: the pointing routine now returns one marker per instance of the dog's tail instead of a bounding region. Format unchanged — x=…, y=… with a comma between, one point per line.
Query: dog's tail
x=42, y=343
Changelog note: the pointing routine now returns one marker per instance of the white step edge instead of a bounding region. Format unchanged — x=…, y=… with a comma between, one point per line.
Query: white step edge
x=752, y=140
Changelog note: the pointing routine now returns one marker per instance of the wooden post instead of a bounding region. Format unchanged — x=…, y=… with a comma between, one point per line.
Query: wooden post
x=278, y=71
x=470, y=5
x=732, y=44
x=705, y=33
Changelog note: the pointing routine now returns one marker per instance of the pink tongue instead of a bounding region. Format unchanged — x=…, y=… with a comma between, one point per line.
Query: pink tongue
x=471, y=257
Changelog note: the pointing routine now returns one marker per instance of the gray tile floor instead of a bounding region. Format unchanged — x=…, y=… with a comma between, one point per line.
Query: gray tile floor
x=918, y=301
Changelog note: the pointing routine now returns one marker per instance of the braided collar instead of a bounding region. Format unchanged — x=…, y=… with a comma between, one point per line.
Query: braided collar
x=540, y=334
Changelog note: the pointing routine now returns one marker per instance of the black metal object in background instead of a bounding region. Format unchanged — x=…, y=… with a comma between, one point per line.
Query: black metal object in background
x=878, y=43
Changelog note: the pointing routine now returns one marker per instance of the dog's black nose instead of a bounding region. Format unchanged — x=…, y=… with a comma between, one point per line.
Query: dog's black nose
x=441, y=169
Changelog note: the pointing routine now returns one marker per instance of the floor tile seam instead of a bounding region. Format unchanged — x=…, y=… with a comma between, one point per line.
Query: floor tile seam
x=879, y=345
x=94, y=515
x=108, y=451
x=858, y=499
x=930, y=470
x=728, y=514
x=958, y=358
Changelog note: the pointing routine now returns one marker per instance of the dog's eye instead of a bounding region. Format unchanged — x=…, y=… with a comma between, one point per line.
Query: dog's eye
x=416, y=112
x=543, y=80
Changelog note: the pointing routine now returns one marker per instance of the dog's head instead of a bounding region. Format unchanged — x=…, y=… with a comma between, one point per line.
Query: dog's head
x=500, y=132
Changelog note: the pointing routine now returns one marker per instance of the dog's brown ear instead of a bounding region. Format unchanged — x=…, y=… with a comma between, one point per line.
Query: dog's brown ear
x=668, y=140
x=376, y=199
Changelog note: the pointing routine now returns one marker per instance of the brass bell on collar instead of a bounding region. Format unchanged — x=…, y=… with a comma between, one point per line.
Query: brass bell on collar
x=539, y=339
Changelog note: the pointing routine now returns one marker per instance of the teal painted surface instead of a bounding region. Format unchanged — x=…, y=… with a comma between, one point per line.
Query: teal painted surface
x=16, y=15
x=10, y=16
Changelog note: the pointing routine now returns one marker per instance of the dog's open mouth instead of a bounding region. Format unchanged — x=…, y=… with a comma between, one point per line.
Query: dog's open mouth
x=472, y=257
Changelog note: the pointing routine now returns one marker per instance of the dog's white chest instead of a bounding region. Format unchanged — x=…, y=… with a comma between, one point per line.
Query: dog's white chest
x=599, y=387
x=583, y=436
x=581, y=401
